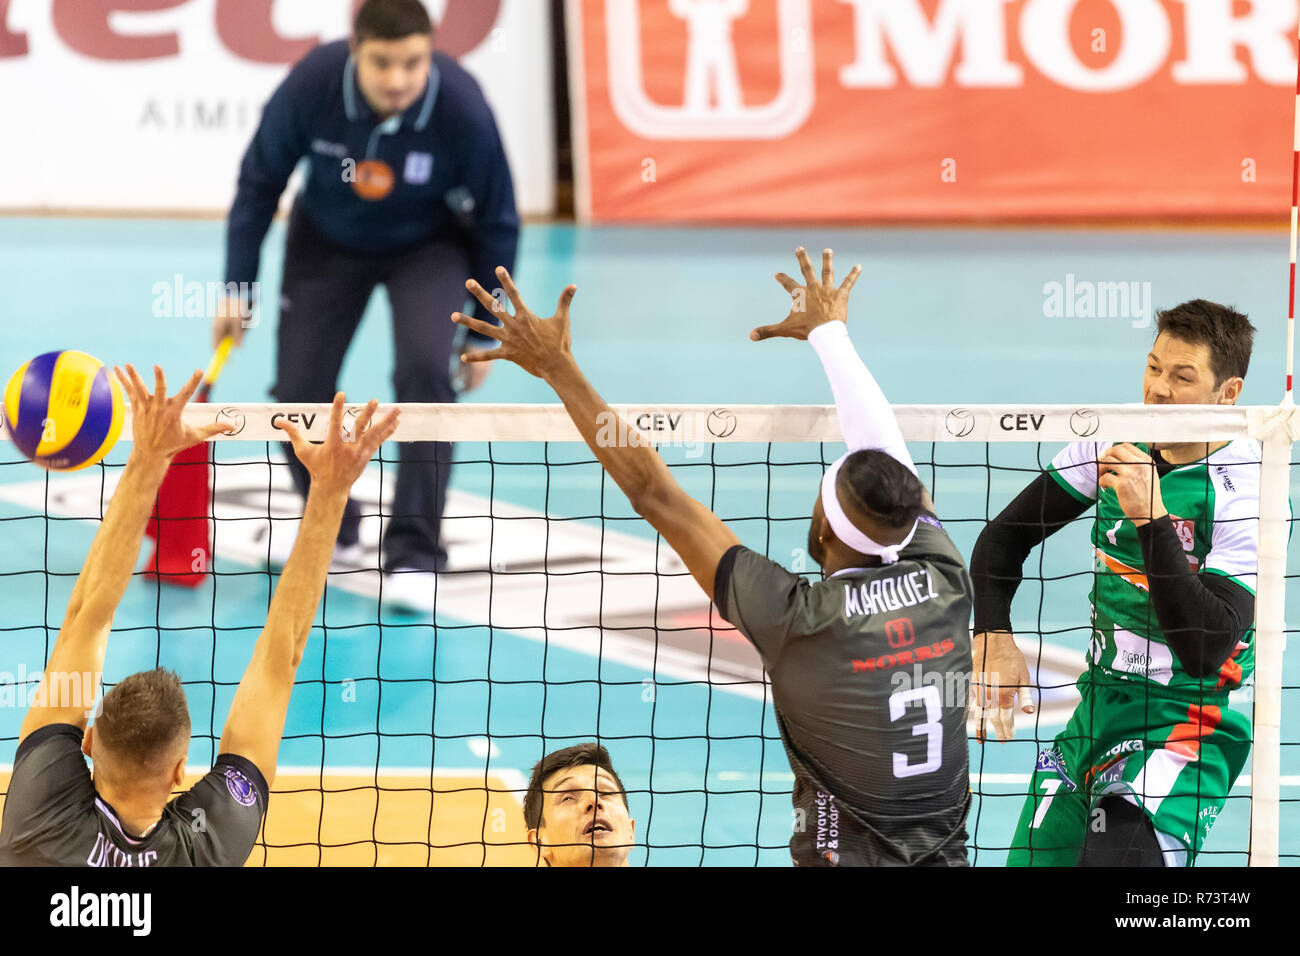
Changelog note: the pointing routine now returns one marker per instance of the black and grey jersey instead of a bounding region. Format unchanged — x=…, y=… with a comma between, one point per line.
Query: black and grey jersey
x=870, y=674
x=54, y=817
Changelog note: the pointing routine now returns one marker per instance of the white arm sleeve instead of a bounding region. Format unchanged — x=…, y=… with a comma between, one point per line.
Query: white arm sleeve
x=866, y=419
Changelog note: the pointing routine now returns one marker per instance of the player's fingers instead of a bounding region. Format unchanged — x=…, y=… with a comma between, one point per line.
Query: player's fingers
x=566, y=299
x=295, y=436
x=1004, y=724
x=128, y=386
x=336, y=417
x=786, y=282
x=1006, y=697
x=483, y=355
x=477, y=325
x=1026, y=700
x=765, y=332
x=507, y=283
x=138, y=381
x=805, y=266
x=850, y=280
x=366, y=416
x=828, y=267
x=218, y=428
x=189, y=388
x=485, y=297
x=159, y=384
x=974, y=725
x=387, y=425
x=382, y=431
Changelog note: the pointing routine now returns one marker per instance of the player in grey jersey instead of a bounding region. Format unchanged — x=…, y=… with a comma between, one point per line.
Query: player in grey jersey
x=55, y=812
x=869, y=667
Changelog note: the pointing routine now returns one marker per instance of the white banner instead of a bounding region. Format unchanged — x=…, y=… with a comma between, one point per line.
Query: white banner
x=150, y=104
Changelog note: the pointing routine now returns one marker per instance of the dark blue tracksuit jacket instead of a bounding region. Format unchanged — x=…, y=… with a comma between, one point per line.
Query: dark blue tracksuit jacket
x=444, y=151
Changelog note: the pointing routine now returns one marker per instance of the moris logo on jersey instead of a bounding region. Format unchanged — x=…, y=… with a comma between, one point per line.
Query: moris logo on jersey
x=925, y=652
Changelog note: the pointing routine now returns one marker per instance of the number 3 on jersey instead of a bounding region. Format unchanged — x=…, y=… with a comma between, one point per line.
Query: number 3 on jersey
x=931, y=726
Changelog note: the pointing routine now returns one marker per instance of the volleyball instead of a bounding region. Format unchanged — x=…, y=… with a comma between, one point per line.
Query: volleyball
x=64, y=410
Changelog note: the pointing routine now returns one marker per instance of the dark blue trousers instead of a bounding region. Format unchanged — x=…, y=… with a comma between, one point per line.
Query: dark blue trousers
x=323, y=296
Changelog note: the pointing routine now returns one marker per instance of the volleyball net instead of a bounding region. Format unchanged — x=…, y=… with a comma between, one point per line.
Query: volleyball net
x=562, y=618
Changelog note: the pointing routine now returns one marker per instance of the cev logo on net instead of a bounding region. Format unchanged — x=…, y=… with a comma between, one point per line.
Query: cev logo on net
x=665, y=428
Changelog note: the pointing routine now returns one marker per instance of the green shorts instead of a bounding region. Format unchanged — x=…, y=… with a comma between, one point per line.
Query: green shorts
x=1175, y=759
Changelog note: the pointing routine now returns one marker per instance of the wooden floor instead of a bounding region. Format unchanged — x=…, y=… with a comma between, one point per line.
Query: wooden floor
x=395, y=820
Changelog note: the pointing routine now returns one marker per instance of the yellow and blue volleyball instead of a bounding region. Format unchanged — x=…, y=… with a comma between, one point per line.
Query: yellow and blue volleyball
x=64, y=410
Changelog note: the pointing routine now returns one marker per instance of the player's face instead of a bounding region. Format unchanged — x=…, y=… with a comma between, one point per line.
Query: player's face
x=392, y=73
x=583, y=808
x=1178, y=373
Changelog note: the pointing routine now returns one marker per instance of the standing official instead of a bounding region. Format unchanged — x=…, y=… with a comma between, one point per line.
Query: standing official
x=407, y=186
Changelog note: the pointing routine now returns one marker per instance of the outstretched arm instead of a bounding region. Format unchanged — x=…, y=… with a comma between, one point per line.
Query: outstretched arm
x=256, y=721
x=819, y=313
x=541, y=348
x=71, y=680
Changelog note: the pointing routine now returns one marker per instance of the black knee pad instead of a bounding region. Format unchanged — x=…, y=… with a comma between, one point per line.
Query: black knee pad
x=1119, y=834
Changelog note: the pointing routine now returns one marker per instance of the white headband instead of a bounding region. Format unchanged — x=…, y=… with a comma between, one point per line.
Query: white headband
x=846, y=530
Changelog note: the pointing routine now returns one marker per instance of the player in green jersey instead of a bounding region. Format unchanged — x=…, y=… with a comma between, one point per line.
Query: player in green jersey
x=1146, y=762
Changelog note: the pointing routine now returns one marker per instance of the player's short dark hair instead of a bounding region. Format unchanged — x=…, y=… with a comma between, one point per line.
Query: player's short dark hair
x=577, y=756
x=390, y=20
x=882, y=486
x=143, y=717
x=1227, y=332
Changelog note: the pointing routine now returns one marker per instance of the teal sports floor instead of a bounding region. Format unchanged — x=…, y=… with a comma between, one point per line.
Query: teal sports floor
x=953, y=316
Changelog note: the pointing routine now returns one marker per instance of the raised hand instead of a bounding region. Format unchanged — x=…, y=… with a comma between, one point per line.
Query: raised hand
x=339, y=461
x=1132, y=473
x=157, y=428
x=538, y=346
x=813, y=304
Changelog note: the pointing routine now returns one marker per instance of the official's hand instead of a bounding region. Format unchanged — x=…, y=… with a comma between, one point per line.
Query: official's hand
x=539, y=346
x=157, y=430
x=815, y=304
x=1132, y=473
x=231, y=320
x=336, y=464
x=1000, y=677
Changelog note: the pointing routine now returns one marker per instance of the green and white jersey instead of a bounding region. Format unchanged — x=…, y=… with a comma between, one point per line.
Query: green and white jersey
x=1214, y=505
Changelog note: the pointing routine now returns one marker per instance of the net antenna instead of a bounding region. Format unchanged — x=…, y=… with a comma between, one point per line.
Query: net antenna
x=1274, y=514
x=1288, y=399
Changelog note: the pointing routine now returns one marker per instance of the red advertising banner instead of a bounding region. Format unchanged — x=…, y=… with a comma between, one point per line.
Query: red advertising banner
x=891, y=110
